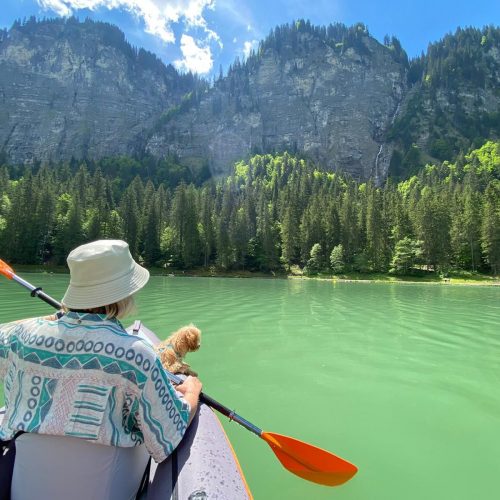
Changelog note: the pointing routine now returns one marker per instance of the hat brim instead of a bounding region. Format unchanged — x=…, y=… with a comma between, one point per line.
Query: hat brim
x=89, y=296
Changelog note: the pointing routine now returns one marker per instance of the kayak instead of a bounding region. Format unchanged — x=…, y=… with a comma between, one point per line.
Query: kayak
x=203, y=466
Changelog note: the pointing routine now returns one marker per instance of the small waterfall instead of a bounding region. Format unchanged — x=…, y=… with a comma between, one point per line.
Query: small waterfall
x=376, y=163
x=393, y=119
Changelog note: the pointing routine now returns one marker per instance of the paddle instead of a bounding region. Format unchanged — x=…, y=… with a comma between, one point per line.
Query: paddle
x=302, y=459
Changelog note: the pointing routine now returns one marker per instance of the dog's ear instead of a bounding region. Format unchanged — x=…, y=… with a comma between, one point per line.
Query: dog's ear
x=193, y=338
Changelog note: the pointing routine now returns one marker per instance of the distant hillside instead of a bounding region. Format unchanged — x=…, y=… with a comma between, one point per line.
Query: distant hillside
x=332, y=94
x=453, y=102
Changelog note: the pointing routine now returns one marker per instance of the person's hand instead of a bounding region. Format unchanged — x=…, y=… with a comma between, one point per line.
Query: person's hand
x=191, y=385
x=190, y=390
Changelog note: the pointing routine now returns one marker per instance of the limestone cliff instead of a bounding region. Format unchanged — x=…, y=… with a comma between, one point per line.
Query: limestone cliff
x=70, y=89
x=311, y=93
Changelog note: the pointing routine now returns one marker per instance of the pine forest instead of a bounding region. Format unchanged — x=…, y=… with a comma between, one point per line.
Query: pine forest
x=275, y=213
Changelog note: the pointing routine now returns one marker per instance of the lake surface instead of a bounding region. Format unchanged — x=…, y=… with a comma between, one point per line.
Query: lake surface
x=401, y=379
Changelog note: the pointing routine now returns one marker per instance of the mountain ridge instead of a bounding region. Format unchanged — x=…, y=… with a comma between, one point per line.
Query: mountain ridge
x=333, y=94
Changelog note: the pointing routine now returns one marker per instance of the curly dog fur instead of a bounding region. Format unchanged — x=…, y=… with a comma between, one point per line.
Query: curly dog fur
x=172, y=350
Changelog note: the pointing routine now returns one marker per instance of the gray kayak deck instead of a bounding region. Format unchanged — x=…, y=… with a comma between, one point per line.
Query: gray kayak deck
x=203, y=465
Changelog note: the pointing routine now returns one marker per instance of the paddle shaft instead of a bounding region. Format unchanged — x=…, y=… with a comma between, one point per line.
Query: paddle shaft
x=37, y=292
x=230, y=414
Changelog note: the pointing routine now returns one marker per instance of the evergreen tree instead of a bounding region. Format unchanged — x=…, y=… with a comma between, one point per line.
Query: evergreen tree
x=433, y=227
x=490, y=228
x=337, y=263
x=348, y=219
x=184, y=223
x=68, y=232
x=207, y=230
x=316, y=262
x=407, y=254
x=130, y=214
x=376, y=240
x=223, y=244
x=21, y=231
x=152, y=231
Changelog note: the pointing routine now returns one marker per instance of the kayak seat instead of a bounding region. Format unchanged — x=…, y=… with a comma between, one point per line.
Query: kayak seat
x=57, y=467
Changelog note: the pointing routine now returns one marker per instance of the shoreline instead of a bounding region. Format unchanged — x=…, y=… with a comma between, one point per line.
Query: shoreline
x=391, y=281
x=461, y=280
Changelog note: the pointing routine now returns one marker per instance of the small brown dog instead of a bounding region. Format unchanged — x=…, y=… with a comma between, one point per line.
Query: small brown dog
x=172, y=350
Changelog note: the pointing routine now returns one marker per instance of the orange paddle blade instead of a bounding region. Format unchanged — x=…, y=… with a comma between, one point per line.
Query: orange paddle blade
x=6, y=270
x=308, y=461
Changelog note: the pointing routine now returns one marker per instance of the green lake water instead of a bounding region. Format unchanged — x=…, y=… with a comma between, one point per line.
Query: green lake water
x=401, y=379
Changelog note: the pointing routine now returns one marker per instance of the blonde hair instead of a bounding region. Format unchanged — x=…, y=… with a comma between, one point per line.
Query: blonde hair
x=121, y=309
x=117, y=310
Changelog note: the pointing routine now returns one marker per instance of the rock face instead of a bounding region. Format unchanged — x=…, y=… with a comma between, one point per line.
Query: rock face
x=330, y=103
x=70, y=89
x=333, y=94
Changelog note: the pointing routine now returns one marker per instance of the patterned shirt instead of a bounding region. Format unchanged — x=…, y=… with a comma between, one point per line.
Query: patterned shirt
x=83, y=375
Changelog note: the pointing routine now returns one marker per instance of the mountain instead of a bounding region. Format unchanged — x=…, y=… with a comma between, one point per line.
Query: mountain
x=333, y=94
x=330, y=94
x=71, y=89
x=453, y=103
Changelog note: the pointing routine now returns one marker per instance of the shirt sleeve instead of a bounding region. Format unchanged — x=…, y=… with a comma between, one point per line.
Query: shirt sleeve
x=6, y=331
x=163, y=413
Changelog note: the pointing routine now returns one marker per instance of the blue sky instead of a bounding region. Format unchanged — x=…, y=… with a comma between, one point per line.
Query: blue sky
x=202, y=35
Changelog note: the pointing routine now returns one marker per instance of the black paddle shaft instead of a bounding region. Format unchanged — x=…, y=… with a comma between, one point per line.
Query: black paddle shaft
x=37, y=292
x=231, y=414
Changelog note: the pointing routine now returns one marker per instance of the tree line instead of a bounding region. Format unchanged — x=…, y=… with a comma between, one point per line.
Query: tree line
x=273, y=213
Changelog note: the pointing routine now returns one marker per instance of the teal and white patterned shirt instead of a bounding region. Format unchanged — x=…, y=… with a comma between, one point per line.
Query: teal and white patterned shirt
x=85, y=376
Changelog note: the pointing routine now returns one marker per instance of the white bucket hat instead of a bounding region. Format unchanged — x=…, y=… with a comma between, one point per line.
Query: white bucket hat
x=102, y=272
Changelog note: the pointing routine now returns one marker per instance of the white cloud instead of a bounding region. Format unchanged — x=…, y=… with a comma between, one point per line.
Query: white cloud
x=196, y=59
x=58, y=6
x=248, y=46
x=157, y=15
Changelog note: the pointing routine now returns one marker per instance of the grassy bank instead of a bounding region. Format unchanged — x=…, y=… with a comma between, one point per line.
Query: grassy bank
x=459, y=279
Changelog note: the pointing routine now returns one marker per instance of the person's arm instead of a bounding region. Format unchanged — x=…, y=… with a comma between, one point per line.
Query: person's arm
x=190, y=390
x=5, y=339
x=164, y=412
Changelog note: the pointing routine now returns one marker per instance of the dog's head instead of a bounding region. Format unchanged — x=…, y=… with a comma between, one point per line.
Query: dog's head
x=187, y=339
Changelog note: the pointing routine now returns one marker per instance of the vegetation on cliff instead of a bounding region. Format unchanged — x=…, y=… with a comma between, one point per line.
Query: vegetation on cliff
x=453, y=105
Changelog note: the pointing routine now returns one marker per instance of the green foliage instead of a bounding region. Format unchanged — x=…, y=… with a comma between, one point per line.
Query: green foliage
x=486, y=159
x=316, y=262
x=490, y=227
x=407, y=254
x=274, y=212
x=337, y=263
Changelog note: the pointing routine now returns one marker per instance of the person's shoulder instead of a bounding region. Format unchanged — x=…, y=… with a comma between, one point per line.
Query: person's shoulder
x=141, y=345
x=133, y=342
x=19, y=322
x=7, y=330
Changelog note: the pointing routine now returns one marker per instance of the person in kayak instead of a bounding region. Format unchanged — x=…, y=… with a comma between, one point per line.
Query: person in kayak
x=80, y=376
